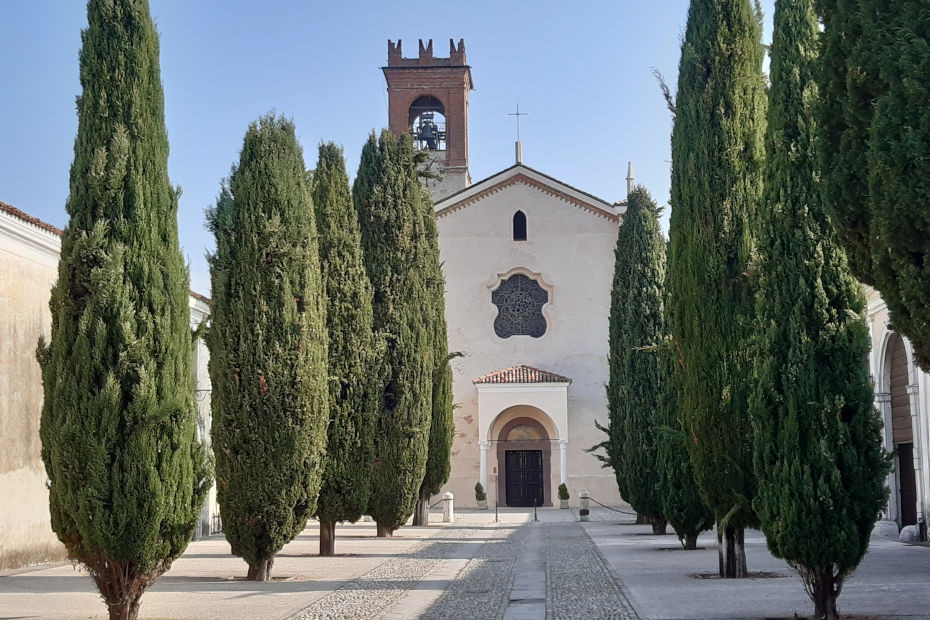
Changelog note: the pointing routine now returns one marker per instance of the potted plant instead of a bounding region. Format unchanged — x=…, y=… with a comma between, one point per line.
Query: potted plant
x=563, y=496
x=481, y=497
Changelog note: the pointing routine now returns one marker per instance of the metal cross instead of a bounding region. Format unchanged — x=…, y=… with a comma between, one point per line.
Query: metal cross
x=518, y=114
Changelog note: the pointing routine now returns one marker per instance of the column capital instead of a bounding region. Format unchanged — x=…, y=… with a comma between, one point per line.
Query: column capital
x=563, y=443
x=883, y=397
x=484, y=444
x=912, y=388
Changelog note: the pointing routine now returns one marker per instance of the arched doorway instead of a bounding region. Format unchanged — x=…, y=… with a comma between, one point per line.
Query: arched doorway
x=902, y=432
x=524, y=457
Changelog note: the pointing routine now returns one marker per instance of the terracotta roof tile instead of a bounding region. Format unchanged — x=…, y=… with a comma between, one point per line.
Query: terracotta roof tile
x=7, y=208
x=522, y=374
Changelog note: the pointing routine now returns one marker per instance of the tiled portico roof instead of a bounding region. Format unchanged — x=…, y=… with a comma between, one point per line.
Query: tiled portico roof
x=521, y=374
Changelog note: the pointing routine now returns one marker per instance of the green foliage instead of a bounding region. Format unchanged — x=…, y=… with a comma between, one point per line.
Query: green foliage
x=389, y=202
x=682, y=504
x=874, y=145
x=127, y=472
x=717, y=155
x=819, y=464
x=353, y=379
x=442, y=426
x=563, y=491
x=268, y=339
x=480, y=495
x=636, y=326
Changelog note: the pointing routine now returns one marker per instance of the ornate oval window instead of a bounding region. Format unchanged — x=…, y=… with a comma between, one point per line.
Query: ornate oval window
x=519, y=300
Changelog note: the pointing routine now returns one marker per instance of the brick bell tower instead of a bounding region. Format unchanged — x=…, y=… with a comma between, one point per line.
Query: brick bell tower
x=428, y=98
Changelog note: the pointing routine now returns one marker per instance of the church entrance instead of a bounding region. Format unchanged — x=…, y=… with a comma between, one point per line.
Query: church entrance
x=524, y=473
x=902, y=433
x=524, y=457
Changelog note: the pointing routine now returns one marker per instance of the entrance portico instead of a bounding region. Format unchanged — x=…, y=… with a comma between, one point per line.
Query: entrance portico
x=522, y=411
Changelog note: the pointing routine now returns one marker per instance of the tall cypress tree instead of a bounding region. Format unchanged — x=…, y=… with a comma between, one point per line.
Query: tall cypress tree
x=819, y=465
x=636, y=328
x=268, y=344
x=716, y=183
x=127, y=472
x=874, y=132
x=442, y=424
x=899, y=171
x=388, y=199
x=353, y=378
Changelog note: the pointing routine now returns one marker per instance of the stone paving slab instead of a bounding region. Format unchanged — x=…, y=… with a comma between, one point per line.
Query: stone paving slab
x=893, y=580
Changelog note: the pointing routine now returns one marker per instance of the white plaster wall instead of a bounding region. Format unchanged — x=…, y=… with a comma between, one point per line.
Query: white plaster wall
x=28, y=267
x=572, y=251
x=919, y=392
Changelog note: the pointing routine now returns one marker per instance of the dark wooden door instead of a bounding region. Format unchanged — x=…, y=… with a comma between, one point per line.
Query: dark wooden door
x=524, y=476
x=908, y=482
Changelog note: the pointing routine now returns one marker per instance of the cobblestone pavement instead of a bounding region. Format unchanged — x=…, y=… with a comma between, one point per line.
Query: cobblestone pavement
x=578, y=582
x=520, y=571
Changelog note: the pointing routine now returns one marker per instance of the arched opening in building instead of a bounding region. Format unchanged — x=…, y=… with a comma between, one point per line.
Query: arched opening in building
x=902, y=432
x=524, y=457
x=519, y=226
x=427, y=121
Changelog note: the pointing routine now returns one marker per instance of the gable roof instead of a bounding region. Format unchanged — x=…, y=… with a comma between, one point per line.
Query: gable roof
x=521, y=374
x=520, y=173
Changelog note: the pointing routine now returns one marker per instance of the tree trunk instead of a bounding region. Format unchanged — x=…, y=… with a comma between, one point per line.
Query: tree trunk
x=327, y=538
x=689, y=542
x=126, y=610
x=385, y=531
x=659, y=525
x=641, y=519
x=421, y=513
x=824, y=594
x=731, y=552
x=260, y=572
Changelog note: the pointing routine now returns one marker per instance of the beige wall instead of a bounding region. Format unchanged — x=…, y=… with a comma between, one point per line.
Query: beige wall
x=28, y=266
x=571, y=250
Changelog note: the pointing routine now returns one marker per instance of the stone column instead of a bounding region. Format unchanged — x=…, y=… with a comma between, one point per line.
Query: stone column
x=563, y=462
x=883, y=402
x=483, y=446
x=914, y=402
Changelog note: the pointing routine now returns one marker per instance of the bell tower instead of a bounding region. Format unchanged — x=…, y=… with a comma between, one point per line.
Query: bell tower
x=428, y=98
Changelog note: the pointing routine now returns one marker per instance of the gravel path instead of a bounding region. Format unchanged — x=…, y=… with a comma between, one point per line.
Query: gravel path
x=577, y=582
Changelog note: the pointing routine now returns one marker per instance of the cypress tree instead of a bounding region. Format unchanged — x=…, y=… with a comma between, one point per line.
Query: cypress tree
x=874, y=145
x=899, y=171
x=127, y=473
x=389, y=202
x=636, y=327
x=848, y=84
x=717, y=153
x=352, y=356
x=267, y=347
x=442, y=424
x=819, y=465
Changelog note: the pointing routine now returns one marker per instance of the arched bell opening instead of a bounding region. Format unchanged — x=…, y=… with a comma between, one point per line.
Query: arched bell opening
x=427, y=121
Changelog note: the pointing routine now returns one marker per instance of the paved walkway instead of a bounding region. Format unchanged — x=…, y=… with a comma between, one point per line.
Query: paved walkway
x=512, y=569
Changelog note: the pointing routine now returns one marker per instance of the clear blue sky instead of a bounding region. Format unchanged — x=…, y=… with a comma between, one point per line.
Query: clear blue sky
x=581, y=70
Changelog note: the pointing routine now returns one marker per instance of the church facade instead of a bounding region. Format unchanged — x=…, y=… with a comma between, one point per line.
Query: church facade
x=528, y=262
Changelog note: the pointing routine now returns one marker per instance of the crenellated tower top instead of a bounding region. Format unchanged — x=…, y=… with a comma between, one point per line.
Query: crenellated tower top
x=428, y=98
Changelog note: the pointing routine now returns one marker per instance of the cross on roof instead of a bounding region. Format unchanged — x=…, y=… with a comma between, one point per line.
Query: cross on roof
x=518, y=114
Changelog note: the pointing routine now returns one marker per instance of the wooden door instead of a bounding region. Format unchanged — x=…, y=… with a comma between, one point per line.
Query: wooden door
x=524, y=477
x=908, y=482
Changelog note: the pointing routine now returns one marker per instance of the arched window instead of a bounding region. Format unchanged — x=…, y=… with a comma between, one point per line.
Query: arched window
x=519, y=226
